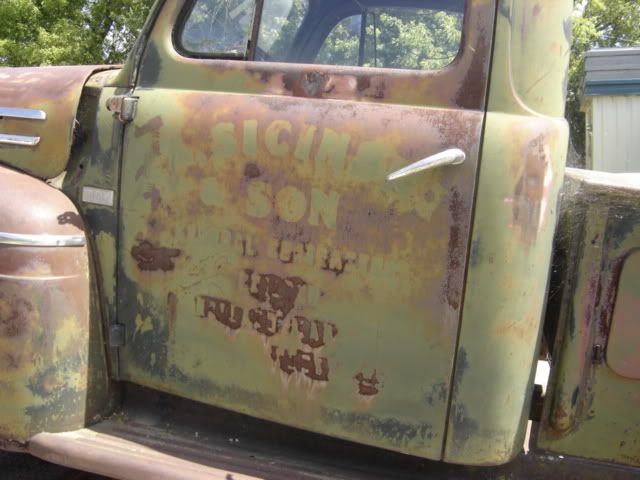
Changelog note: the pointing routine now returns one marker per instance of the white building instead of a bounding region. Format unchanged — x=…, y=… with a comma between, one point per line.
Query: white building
x=612, y=106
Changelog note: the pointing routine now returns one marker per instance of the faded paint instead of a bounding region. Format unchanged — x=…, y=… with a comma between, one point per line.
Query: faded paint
x=268, y=268
x=44, y=315
x=589, y=400
x=301, y=269
x=55, y=90
x=459, y=85
x=152, y=258
x=623, y=349
x=523, y=157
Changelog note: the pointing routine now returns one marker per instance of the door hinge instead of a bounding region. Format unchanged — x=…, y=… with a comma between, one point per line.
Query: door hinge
x=116, y=335
x=598, y=354
x=123, y=107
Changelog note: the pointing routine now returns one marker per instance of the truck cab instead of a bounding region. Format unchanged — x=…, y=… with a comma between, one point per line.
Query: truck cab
x=333, y=216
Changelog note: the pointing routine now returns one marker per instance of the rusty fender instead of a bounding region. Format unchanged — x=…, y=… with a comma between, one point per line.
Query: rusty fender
x=38, y=108
x=44, y=311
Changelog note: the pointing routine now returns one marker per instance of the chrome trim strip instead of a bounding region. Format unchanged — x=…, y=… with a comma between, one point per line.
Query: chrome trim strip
x=22, y=113
x=26, y=240
x=18, y=140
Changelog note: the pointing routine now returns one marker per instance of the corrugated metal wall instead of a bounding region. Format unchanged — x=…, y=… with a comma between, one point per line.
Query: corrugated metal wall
x=615, y=133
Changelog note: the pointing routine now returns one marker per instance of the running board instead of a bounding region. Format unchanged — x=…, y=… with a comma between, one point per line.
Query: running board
x=115, y=457
x=156, y=436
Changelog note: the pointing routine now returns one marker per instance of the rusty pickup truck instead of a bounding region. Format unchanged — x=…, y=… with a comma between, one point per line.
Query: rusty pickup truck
x=312, y=239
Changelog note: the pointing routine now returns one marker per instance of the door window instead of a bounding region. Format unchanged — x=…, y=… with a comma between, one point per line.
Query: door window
x=412, y=38
x=218, y=28
x=351, y=33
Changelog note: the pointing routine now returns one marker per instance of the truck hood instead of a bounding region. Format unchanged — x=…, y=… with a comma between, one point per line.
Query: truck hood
x=48, y=97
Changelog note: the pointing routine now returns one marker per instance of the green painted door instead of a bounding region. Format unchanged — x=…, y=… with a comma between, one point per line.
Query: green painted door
x=267, y=264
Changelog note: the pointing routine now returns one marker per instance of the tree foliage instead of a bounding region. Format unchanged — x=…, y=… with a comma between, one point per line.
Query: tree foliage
x=63, y=32
x=597, y=23
x=419, y=39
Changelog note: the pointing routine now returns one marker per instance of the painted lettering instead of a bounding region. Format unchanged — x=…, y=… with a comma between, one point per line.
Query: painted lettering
x=291, y=204
x=301, y=362
x=332, y=152
x=250, y=139
x=222, y=310
x=274, y=138
x=259, y=196
x=314, y=339
x=303, y=150
x=367, y=386
x=324, y=206
x=277, y=295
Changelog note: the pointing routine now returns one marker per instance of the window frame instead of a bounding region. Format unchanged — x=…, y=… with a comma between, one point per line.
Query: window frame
x=183, y=18
x=311, y=40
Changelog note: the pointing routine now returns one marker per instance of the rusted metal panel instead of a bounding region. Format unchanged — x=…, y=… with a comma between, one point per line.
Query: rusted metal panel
x=591, y=410
x=521, y=171
x=159, y=436
x=623, y=348
x=55, y=91
x=44, y=314
x=270, y=268
x=461, y=84
x=302, y=284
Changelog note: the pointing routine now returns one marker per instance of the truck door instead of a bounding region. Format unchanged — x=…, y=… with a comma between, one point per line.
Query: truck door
x=269, y=263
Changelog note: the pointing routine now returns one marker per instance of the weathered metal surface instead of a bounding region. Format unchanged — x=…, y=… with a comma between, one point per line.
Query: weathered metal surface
x=460, y=85
x=55, y=91
x=121, y=459
x=521, y=171
x=44, y=314
x=268, y=266
x=159, y=436
x=623, y=348
x=92, y=182
x=592, y=411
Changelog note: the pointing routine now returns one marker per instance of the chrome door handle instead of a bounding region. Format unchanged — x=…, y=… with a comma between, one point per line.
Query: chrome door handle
x=453, y=156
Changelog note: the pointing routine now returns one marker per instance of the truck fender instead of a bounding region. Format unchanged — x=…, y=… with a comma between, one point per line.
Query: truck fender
x=44, y=310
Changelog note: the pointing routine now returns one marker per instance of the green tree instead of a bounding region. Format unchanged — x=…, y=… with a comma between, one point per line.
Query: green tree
x=596, y=23
x=419, y=39
x=63, y=32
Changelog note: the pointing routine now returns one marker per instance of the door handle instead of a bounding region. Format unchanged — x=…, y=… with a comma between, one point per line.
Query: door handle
x=453, y=156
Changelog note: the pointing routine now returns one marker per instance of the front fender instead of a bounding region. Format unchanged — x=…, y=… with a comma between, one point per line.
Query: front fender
x=56, y=92
x=44, y=311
